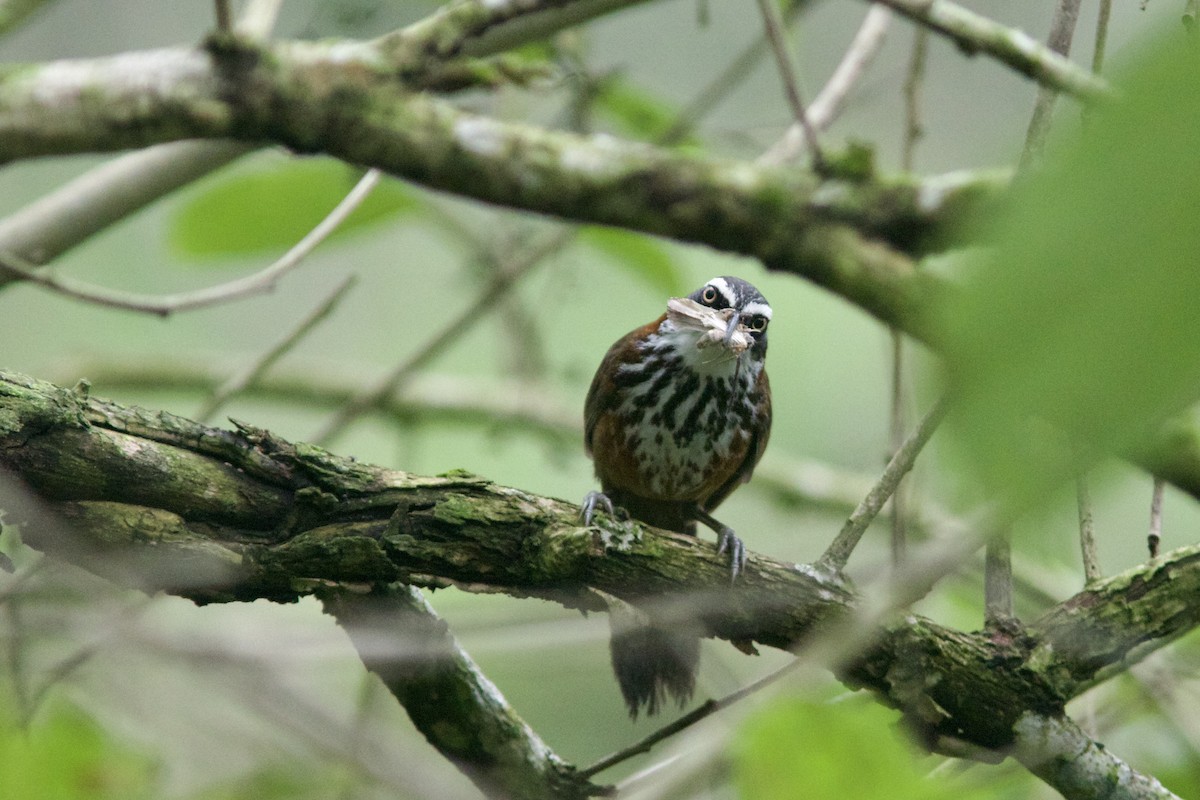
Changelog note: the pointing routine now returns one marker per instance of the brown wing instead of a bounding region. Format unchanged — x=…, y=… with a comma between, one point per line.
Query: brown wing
x=601, y=394
x=758, y=444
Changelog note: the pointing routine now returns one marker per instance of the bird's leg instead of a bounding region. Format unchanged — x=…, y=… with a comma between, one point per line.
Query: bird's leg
x=591, y=501
x=727, y=541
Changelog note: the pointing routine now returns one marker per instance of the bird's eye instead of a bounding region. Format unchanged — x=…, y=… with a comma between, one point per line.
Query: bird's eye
x=757, y=323
x=710, y=294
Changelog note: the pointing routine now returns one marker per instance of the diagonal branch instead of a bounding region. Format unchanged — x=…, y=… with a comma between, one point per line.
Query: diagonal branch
x=402, y=640
x=1060, y=753
x=977, y=34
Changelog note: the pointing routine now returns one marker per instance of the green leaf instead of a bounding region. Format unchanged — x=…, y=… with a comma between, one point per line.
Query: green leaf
x=67, y=756
x=635, y=111
x=645, y=258
x=798, y=748
x=1081, y=332
x=271, y=207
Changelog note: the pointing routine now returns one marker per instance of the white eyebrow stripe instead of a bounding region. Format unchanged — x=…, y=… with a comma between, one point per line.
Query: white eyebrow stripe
x=722, y=286
x=761, y=309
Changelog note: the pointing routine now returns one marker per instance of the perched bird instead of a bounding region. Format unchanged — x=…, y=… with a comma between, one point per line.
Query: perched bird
x=677, y=417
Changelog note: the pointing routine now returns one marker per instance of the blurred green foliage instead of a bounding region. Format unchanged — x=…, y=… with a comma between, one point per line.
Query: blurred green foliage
x=1080, y=333
x=65, y=755
x=272, y=204
x=633, y=110
x=801, y=748
x=642, y=257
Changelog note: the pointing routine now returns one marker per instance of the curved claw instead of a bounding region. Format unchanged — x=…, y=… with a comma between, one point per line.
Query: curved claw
x=591, y=501
x=728, y=541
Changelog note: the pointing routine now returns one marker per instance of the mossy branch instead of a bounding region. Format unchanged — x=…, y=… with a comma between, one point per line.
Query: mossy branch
x=160, y=502
x=853, y=234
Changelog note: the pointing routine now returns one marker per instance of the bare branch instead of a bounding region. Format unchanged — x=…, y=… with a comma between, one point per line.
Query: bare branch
x=50, y=226
x=788, y=74
x=1087, y=531
x=835, y=556
x=828, y=104
x=503, y=282
x=838, y=233
x=684, y=722
x=1058, y=752
x=1155, y=536
x=224, y=15
x=997, y=581
x=237, y=383
x=977, y=34
x=1062, y=31
x=165, y=305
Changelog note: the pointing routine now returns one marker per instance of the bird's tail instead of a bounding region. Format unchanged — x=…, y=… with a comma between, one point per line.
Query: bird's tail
x=654, y=659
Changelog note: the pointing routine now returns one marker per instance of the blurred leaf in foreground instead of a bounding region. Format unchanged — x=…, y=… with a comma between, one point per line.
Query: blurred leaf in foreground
x=798, y=748
x=643, y=257
x=1081, y=332
x=633, y=110
x=271, y=207
x=67, y=756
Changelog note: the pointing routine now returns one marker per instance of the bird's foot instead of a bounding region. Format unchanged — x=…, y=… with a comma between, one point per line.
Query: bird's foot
x=591, y=502
x=728, y=542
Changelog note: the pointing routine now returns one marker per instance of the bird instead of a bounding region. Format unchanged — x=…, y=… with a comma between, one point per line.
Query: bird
x=676, y=418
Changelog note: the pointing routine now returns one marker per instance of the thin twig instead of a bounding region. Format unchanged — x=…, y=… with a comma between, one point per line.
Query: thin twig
x=1087, y=531
x=686, y=721
x=165, y=305
x=831, y=99
x=253, y=371
x=502, y=283
x=1156, y=500
x=224, y=16
x=1098, y=48
x=738, y=69
x=913, y=130
x=1101, y=36
x=1062, y=31
x=835, y=556
x=997, y=580
x=895, y=442
x=773, y=25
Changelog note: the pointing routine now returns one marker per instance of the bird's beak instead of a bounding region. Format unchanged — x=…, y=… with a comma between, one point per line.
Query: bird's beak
x=734, y=321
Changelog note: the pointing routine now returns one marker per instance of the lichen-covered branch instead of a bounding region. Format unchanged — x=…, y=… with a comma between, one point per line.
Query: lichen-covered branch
x=1172, y=454
x=1058, y=752
x=77, y=210
x=849, y=234
x=277, y=520
x=977, y=34
x=448, y=698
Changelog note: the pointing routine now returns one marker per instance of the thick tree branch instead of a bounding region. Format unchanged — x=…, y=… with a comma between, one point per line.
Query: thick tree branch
x=278, y=520
x=69, y=215
x=845, y=234
x=402, y=640
x=1058, y=752
x=1173, y=454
